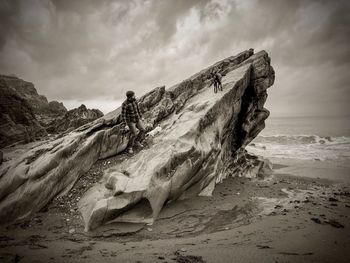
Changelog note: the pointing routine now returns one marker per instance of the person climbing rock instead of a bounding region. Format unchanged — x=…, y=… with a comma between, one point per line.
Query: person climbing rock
x=218, y=77
x=132, y=120
x=216, y=80
x=213, y=82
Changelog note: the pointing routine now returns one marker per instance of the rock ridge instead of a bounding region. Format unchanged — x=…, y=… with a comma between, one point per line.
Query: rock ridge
x=27, y=116
x=73, y=119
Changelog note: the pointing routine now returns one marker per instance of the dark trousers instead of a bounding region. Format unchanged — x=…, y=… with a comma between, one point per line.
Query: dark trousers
x=217, y=85
x=134, y=135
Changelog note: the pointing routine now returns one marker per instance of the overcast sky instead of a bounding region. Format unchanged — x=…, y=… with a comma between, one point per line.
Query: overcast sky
x=93, y=51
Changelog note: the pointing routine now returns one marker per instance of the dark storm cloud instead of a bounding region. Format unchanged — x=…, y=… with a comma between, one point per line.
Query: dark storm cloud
x=309, y=45
x=167, y=14
x=96, y=50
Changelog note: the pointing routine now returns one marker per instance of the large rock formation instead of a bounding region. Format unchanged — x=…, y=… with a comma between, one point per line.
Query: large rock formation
x=200, y=140
x=44, y=111
x=18, y=121
x=25, y=115
x=74, y=119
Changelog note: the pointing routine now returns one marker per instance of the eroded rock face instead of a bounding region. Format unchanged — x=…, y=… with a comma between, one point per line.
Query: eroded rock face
x=27, y=116
x=44, y=111
x=197, y=139
x=17, y=117
x=74, y=119
x=24, y=113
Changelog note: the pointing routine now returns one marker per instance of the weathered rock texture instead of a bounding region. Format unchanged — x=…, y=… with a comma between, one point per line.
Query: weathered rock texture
x=200, y=141
x=25, y=115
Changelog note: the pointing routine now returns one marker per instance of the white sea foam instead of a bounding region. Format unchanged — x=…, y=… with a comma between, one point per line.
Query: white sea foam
x=305, y=147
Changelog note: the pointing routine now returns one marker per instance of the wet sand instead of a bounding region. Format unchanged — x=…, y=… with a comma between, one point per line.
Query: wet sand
x=281, y=218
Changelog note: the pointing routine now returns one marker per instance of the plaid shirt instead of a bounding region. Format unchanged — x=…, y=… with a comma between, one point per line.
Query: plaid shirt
x=130, y=111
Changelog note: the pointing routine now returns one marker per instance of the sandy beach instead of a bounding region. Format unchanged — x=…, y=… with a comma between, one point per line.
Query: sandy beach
x=202, y=131
x=279, y=218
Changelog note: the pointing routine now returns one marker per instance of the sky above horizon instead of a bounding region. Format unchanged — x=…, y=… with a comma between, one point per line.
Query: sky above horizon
x=92, y=52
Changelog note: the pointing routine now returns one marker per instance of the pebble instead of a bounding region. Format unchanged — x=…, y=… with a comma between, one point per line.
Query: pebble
x=71, y=231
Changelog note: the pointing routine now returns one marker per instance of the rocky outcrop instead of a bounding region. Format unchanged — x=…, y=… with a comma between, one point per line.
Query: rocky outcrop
x=17, y=117
x=27, y=116
x=197, y=140
x=44, y=111
x=74, y=119
x=24, y=113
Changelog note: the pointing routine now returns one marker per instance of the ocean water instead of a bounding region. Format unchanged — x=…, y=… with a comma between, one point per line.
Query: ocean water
x=325, y=139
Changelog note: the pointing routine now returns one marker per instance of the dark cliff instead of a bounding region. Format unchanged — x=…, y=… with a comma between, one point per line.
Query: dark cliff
x=27, y=116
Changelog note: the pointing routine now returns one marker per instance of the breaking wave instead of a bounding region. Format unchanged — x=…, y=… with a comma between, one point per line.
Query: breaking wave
x=306, y=147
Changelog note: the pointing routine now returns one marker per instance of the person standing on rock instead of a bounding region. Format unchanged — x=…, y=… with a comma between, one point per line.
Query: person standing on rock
x=132, y=120
x=218, y=77
x=216, y=80
x=213, y=82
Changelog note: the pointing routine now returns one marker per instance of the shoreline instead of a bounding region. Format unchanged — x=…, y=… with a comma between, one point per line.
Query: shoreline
x=280, y=218
x=334, y=171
